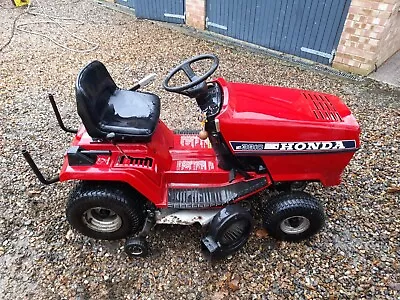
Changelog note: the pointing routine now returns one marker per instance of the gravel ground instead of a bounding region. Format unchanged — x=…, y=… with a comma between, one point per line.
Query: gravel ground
x=355, y=256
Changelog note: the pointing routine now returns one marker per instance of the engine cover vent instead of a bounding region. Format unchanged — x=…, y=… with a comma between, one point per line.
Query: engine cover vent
x=141, y=162
x=322, y=107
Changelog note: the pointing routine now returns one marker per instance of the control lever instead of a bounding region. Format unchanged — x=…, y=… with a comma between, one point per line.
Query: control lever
x=144, y=81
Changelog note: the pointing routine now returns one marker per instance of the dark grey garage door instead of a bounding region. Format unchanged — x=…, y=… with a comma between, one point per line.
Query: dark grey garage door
x=305, y=28
x=162, y=10
x=128, y=3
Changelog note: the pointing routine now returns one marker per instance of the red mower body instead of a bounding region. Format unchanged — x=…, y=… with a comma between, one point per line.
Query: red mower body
x=299, y=136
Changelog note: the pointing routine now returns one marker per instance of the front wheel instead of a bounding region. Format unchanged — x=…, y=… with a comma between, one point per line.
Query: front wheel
x=107, y=212
x=136, y=247
x=293, y=216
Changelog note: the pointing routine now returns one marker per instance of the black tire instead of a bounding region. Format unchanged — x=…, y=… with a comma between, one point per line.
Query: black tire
x=105, y=211
x=293, y=216
x=136, y=247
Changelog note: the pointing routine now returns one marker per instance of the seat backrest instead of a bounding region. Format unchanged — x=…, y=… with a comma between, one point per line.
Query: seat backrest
x=94, y=87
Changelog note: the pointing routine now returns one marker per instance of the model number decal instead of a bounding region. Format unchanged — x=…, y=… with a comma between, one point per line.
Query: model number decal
x=194, y=165
x=194, y=142
x=293, y=146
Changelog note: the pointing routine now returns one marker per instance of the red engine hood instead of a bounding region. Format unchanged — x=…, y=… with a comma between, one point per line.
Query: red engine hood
x=266, y=113
x=258, y=102
x=300, y=135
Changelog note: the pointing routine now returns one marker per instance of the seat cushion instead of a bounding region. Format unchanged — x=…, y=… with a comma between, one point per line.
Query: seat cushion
x=131, y=114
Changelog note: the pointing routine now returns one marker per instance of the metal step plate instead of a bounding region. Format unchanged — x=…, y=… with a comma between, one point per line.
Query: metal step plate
x=212, y=196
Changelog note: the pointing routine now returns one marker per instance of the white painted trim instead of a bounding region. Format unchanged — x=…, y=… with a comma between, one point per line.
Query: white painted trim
x=174, y=16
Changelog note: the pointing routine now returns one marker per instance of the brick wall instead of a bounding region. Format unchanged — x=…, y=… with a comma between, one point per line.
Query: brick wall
x=390, y=41
x=195, y=13
x=371, y=35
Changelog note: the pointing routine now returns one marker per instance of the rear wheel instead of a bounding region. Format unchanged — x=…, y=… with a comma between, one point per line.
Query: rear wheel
x=293, y=216
x=105, y=211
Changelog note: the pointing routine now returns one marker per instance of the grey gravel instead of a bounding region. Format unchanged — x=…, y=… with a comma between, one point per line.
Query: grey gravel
x=356, y=256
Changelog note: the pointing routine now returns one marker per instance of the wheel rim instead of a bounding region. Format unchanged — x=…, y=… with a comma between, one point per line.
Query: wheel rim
x=102, y=219
x=135, y=250
x=295, y=225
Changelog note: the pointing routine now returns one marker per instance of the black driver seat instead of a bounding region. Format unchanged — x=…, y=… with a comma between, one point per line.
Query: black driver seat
x=109, y=112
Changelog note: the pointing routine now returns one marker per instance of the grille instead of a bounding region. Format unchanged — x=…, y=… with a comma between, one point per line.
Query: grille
x=187, y=131
x=142, y=162
x=322, y=107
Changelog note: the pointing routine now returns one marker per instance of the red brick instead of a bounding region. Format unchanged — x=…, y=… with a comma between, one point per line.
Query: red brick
x=350, y=30
x=379, y=28
x=363, y=39
x=359, y=59
x=368, y=27
x=346, y=61
x=385, y=14
x=362, y=46
x=360, y=32
x=354, y=38
x=338, y=59
x=358, y=3
x=354, y=63
x=370, y=12
x=383, y=6
x=374, y=34
x=362, y=19
x=373, y=42
x=355, y=9
x=347, y=43
x=341, y=48
x=375, y=5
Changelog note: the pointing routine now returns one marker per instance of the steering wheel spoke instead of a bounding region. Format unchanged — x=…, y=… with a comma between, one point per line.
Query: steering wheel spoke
x=189, y=72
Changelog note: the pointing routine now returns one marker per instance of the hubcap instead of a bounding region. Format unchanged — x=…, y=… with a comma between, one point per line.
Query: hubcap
x=135, y=250
x=102, y=219
x=295, y=225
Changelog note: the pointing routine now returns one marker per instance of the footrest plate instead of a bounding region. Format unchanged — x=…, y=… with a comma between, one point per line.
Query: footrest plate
x=212, y=196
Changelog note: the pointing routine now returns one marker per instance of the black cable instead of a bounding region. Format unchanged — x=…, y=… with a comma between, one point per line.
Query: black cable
x=12, y=31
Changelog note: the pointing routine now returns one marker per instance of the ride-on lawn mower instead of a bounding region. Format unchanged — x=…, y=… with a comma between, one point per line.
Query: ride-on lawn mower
x=134, y=172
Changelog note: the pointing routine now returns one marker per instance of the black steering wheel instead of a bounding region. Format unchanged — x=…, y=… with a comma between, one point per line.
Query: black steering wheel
x=194, y=79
